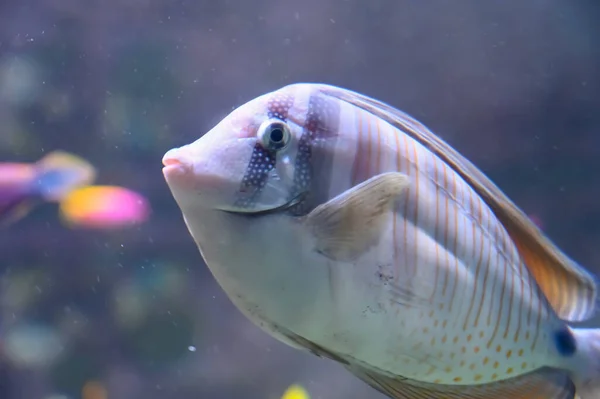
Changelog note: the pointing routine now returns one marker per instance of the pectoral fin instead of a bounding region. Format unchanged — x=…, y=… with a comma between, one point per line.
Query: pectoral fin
x=350, y=223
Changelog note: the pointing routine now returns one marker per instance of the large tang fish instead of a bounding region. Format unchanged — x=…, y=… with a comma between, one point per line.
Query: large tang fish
x=343, y=226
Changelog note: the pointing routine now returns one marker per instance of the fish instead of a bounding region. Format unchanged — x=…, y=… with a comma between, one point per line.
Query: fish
x=23, y=186
x=103, y=207
x=344, y=227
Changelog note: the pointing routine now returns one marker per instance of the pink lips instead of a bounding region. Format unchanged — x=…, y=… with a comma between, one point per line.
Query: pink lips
x=174, y=164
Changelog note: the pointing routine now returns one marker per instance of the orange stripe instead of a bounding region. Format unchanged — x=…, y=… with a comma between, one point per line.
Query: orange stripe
x=494, y=281
x=435, y=227
x=368, y=160
x=478, y=265
x=530, y=287
x=521, y=296
x=501, y=305
x=538, y=321
x=395, y=221
x=378, y=156
x=416, y=199
x=510, y=302
x=455, y=245
x=446, y=222
x=424, y=209
x=514, y=257
x=511, y=261
x=407, y=202
x=486, y=267
x=465, y=253
x=357, y=166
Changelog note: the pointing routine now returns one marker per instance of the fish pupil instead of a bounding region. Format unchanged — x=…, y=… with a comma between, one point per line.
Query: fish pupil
x=565, y=342
x=276, y=135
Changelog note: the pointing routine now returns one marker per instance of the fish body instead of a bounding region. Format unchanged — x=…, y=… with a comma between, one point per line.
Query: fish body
x=23, y=185
x=343, y=226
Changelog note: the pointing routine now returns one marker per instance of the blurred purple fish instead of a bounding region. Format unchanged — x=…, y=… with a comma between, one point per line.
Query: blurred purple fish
x=25, y=185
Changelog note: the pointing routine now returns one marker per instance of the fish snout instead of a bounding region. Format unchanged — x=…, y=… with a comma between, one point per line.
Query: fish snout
x=178, y=166
x=199, y=177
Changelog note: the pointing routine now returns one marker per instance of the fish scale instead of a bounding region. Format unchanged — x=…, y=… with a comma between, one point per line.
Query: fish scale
x=445, y=230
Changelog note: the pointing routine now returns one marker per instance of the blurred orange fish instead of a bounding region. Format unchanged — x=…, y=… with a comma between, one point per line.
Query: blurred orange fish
x=104, y=207
x=25, y=185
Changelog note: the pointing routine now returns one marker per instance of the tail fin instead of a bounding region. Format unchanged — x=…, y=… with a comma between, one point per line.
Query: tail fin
x=586, y=374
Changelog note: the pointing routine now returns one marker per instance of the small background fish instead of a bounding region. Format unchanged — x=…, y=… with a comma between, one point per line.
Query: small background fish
x=24, y=185
x=66, y=179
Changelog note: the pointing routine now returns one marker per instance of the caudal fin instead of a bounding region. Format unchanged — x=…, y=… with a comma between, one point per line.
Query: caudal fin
x=586, y=373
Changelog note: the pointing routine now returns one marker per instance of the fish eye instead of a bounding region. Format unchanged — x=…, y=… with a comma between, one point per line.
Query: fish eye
x=274, y=135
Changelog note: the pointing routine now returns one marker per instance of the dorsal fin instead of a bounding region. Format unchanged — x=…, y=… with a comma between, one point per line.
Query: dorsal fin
x=569, y=288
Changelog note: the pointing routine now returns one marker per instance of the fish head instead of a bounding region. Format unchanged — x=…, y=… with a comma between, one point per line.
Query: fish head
x=245, y=182
x=271, y=154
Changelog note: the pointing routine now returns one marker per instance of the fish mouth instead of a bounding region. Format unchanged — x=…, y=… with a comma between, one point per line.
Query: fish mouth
x=287, y=205
x=174, y=167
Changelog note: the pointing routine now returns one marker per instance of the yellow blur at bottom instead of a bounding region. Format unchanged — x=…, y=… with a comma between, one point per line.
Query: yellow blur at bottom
x=94, y=390
x=295, y=392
